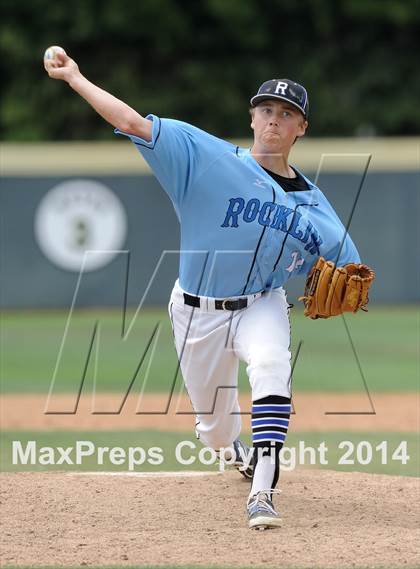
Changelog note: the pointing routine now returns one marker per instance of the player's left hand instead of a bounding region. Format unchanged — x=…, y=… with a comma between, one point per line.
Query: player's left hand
x=332, y=290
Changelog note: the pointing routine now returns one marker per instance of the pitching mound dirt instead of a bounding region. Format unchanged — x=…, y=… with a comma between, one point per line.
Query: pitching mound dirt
x=330, y=520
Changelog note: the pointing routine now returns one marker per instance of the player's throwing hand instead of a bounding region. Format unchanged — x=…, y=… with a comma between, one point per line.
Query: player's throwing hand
x=60, y=65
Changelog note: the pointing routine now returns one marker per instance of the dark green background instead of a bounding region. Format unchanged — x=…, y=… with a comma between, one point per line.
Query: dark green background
x=202, y=60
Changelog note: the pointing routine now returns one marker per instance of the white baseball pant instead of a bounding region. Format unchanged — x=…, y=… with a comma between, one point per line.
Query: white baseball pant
x=210, y=343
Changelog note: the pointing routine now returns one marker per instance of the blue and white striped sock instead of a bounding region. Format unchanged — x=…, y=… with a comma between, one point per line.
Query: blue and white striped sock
x=270, y=423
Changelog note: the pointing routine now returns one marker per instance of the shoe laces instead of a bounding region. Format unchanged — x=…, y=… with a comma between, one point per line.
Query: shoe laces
x=262, y=500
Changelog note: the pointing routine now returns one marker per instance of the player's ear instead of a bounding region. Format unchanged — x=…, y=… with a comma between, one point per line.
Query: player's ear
x=252, y=112
x=302, y=128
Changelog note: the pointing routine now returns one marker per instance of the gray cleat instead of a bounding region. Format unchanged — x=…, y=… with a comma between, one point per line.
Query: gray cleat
x=261, y=512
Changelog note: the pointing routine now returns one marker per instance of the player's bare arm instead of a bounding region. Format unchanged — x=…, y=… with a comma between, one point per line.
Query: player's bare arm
x=113, y=110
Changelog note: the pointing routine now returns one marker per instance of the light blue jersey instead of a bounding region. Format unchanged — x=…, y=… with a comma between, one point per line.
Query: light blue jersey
x=240, y=232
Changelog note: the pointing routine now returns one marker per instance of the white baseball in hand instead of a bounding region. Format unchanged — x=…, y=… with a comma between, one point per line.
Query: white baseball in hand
x=51, y=52
x=58, y=64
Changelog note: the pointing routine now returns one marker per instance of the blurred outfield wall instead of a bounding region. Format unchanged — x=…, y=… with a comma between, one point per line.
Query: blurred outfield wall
x=110, y=201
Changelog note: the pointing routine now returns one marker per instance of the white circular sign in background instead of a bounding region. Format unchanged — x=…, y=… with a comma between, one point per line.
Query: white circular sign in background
x=78, y=216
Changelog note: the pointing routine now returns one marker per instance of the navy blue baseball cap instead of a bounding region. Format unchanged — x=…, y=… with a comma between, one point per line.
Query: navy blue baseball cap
x=285, y=90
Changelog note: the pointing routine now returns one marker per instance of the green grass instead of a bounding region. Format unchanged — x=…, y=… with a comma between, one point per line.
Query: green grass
x=386, y=341
x=168, y=442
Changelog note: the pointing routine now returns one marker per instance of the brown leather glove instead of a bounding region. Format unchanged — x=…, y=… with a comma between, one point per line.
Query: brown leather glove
x=332, y=290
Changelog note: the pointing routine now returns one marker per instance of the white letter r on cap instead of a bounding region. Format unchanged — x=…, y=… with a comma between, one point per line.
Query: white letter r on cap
x=281, y=87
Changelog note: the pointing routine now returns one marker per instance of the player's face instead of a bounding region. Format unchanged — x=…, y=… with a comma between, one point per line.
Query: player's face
x=276, y=124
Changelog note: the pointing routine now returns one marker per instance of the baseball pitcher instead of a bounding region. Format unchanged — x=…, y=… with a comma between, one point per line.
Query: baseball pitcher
x=249, y=222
